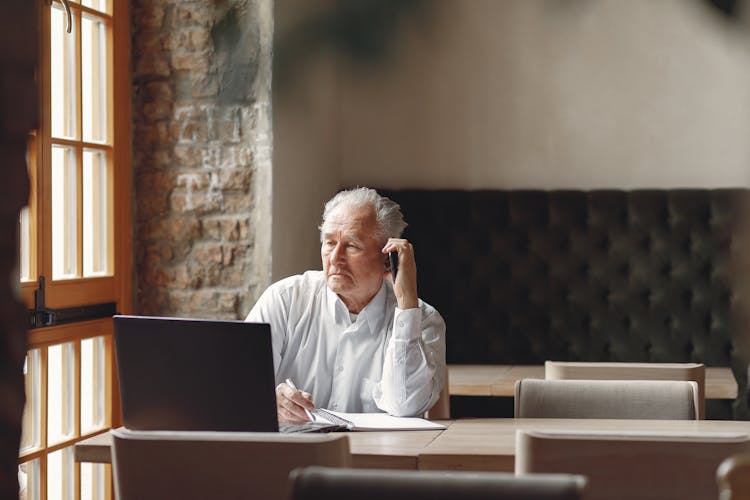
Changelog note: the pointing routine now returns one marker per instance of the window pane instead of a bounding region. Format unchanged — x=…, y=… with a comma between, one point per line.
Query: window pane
x=60, y=392
x=92, y=384
x=63, y=75
x=64, y=213
x=100, y=5
x=95, y=213
x=93, y=477
x=94, y=79
x=61, y=475
x=28, y=481
x=24, y=235
x=32, y=415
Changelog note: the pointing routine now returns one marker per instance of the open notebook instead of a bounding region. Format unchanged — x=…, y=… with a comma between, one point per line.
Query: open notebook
x=373, y=421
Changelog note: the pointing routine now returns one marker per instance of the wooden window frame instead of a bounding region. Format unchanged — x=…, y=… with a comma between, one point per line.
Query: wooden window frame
x=116, y=287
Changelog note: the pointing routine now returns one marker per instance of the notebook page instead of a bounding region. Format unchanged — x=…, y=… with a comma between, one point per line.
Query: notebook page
x=377, y=421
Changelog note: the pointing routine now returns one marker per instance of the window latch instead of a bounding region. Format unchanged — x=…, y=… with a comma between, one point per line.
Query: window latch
x=42, y=316
x=69, y=19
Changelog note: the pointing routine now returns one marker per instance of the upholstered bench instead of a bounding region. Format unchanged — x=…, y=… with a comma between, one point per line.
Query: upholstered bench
x=526, y=276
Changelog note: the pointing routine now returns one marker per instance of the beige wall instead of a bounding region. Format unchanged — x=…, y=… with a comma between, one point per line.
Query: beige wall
x=306, y=143
x=306, y=170
x=527, y=93
x=544, y=93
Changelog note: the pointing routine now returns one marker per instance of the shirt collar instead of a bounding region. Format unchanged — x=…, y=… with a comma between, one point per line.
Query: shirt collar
x=336, y=307
x=373, y=312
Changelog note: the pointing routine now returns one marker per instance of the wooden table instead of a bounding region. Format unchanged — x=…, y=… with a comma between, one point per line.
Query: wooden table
x=390, y=450
x=380, y=450
x=499, y=380
x=490, y=444
x=467, y=444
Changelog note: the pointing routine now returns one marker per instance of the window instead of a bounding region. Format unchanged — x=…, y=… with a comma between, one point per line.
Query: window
x=71, y=258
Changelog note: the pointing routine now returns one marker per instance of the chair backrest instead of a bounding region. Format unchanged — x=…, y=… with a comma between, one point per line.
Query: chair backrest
x=575, y=370
x=441, y=410
x=200, y=465
x=626, y=399
x=313, y=483
x=733, y=477
x=631, y=465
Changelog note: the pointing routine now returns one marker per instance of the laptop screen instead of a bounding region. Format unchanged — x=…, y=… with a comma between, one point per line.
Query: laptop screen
x=188, y=374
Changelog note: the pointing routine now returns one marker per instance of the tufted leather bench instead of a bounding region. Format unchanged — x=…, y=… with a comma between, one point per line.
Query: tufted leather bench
x=523, y=276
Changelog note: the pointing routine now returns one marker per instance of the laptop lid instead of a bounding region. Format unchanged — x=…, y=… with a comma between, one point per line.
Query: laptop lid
x=200, y=375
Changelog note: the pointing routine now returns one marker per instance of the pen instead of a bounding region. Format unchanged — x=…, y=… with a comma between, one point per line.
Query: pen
x=291, y=384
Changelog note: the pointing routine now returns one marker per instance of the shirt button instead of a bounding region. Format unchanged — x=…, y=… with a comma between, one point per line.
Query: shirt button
x=340, y=369
x=335, y=406
x=401, y=324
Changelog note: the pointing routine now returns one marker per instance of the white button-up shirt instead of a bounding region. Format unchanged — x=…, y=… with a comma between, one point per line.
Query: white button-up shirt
x=387, y=359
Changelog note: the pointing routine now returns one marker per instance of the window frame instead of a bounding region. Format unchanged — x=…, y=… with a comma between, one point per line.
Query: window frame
x=115, y=287
x=62, y=293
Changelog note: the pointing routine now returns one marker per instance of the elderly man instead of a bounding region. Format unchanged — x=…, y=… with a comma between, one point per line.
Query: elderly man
x=347, y=338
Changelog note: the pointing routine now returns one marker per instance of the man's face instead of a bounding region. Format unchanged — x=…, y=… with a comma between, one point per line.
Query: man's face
x=352, y=260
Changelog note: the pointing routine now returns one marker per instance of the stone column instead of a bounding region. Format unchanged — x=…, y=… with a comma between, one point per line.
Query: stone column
x=201, y=155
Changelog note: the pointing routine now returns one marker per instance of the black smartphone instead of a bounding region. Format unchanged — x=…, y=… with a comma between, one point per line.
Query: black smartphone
x=393, y=260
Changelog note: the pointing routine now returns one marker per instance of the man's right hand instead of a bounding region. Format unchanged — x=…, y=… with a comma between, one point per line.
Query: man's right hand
x=291, y=404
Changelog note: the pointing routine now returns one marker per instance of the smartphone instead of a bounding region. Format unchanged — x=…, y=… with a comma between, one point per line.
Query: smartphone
x=393, y=260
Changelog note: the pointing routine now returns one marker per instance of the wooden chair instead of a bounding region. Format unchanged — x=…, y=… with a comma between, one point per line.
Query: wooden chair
x=733, y=477
x=227, y=465
x=633, y=465
x=441, y=410
x=313, y=483
x=564, y=370
x=621, y=399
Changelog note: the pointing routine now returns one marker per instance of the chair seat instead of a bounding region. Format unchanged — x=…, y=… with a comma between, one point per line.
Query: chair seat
x=313, y=483
x=733, y=476
x=631, y=465
x=200, y=465
x=589, y=370
x=631, y=399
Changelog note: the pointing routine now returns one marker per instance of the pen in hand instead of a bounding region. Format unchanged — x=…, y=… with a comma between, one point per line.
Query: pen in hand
x=291, y=384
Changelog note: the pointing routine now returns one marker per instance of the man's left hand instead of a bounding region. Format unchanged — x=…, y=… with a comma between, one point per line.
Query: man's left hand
x=405, y=283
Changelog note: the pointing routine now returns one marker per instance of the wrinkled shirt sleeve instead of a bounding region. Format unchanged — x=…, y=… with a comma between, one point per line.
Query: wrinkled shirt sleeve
x=414, y=362
x=273, y=307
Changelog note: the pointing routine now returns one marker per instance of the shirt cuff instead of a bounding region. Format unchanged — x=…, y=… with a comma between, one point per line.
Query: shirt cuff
x=407, y=324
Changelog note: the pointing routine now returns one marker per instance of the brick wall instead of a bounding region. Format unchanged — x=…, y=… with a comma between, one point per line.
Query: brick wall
x=201, y=155
x=18, y=115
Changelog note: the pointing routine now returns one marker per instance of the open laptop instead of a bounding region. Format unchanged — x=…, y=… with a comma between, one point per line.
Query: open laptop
x=201, y=375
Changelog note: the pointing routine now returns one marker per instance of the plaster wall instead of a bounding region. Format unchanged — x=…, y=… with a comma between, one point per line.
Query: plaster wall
x=489, y=94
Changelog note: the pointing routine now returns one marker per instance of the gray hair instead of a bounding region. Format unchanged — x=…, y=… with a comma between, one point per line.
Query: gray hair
x=390, y=221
